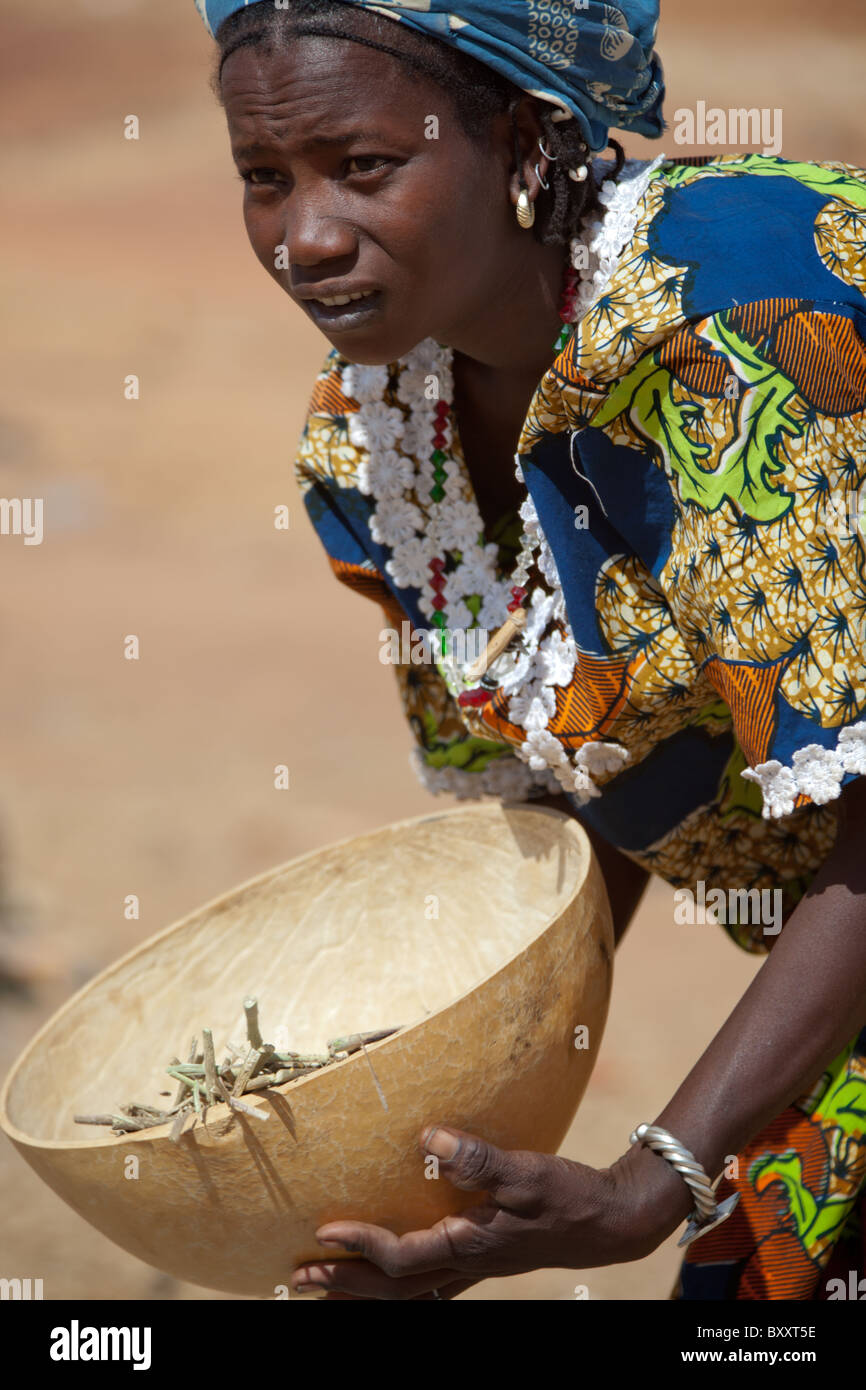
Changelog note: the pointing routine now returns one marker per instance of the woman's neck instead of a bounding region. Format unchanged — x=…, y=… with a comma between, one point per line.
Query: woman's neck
x=508, y=348
x=494, y=403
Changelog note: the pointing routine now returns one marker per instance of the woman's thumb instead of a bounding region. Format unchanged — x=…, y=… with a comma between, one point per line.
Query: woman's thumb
x=466, y=1160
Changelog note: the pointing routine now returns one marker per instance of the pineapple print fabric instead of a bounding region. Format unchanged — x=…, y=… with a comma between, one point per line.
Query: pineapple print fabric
x=715, y=394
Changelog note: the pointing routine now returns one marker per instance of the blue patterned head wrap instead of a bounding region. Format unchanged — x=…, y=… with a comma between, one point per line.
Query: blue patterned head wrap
x=594, y=61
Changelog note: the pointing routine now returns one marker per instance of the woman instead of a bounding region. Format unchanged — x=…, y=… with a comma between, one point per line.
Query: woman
x=678, y=550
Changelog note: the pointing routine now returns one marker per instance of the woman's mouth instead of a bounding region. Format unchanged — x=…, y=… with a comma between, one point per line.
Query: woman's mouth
x=345, y=310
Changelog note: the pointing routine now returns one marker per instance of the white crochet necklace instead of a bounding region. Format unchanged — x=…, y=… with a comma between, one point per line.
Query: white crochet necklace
x=463, y=591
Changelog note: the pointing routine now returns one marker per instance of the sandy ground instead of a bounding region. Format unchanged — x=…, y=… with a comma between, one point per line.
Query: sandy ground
x=154, y=777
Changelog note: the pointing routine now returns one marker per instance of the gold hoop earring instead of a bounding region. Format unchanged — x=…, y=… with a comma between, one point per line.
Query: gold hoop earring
x=525, y=209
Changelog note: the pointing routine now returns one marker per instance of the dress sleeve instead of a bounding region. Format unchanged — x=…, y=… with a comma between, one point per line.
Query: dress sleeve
x=446, y=756
x=756, y=415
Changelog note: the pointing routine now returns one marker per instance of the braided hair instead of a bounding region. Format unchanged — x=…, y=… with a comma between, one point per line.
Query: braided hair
x=476, y=91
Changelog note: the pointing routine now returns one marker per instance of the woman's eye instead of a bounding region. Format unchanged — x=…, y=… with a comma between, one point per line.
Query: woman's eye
x=376, y=160
x=260, y=176
x=356, y=164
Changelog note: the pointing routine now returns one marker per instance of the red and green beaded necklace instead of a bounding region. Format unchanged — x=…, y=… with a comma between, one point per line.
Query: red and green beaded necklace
x=438, y=459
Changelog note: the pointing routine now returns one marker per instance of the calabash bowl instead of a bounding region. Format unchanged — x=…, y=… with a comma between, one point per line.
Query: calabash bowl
x=484, y=931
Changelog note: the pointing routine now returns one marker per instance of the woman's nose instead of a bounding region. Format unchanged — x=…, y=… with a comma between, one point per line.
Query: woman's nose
x=315, y=232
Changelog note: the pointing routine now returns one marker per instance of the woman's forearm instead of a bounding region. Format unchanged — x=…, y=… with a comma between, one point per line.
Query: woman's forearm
x=807, y=1001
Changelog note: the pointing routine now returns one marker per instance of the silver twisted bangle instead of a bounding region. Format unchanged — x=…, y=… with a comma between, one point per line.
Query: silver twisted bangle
x=708, y=1212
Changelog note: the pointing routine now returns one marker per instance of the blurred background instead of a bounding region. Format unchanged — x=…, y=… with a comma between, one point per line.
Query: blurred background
x=154, y=777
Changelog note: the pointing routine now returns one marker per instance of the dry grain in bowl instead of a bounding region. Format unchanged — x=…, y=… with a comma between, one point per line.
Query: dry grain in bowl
x=201, y=1083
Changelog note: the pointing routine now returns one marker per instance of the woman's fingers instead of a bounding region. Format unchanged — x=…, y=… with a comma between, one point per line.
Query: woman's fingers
x=485, y=1239
x=360, y=1279
x=513, y=1179
x=416, y=1252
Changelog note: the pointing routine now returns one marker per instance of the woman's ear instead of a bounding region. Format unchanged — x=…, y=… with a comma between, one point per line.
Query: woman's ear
x=528, y=165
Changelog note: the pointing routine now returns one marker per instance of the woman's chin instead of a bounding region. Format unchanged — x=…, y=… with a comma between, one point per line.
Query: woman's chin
x=363, y=331
x=373, y=349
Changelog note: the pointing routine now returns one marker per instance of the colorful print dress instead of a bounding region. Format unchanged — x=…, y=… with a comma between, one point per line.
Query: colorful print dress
x=696, y=460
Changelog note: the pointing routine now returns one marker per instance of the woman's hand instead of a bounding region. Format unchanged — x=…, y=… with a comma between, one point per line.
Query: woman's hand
x=539, y=1212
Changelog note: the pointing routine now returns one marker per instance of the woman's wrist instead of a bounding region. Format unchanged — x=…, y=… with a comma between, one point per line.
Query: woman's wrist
x=651, y=1196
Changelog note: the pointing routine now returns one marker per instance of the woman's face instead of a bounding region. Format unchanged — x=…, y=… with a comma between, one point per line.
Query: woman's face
x=357, y=167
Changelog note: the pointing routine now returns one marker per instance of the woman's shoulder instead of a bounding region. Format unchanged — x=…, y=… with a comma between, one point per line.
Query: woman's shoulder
x=710, y=236
x=827, y=178
x=325, y=450
x=745, y=228
x=355, y=407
